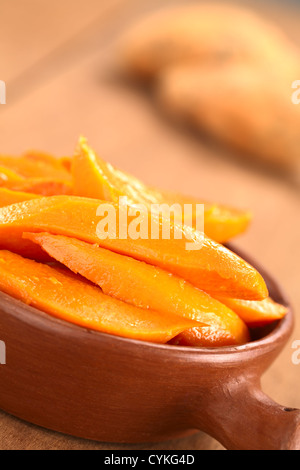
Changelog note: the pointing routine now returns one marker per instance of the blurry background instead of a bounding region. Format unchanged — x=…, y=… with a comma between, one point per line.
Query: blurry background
x=58, y=61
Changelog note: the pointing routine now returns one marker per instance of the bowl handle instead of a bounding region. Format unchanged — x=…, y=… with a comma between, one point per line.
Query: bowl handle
x=247, y=419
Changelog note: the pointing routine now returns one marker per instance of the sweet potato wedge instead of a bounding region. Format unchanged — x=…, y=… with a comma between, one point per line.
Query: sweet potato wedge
x=145, y=286
x=210, y=266
x=57, y=163
x=256, y=313
x=35, y=165
x=41, y=186
x=66, y=162
x=221, y=223
x=207, y=337
x=8, y=197
x=97, y=179
x=63, y=295
x=94, y=178
x=8, y=176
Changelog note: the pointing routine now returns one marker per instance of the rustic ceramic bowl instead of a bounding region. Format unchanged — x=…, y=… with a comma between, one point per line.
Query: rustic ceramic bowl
x=111, y=389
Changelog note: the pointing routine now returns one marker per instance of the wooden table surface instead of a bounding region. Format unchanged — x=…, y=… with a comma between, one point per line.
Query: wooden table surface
x=57, y=59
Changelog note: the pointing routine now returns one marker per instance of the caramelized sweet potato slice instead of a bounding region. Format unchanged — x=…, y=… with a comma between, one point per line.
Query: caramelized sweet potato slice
x=8, y=176
x=42, y=186
x=208, y=337
x=221, y=223
x=94, y=178
x=45, y=186
x=8, y=197
x=35, y=165
x=36, y=173
x=213, y=268
x=256, y=313
x=47, y=159
x=145, y=286
x=253, y=313
x=66, y=162
x=62, y=295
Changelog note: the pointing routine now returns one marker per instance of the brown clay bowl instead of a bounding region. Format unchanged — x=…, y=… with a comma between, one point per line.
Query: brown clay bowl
x=111, y=389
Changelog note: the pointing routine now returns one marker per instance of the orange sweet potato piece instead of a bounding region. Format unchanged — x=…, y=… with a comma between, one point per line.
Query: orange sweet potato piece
x=94, y=178
x=8, y=197
x=66, y=163
x=42, y=186
x=208, y=337
x=145, y=286
x=221, y=223
x=256, y=313
x=213, y=268
x=46, y=158
x=45, y=186
x=8, y=176
x=64, y=296
x=35, y=165
x=253, y=313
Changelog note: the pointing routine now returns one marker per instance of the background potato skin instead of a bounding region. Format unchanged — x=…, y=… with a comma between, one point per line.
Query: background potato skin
x=208, y=33
x=244, y=106
x=224, y=70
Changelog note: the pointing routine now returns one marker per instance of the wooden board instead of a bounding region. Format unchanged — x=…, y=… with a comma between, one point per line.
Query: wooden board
x=58, y=62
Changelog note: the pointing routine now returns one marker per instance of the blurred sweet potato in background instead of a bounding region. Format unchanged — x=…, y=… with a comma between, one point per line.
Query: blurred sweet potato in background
x=241, y=105
x=224, y=70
